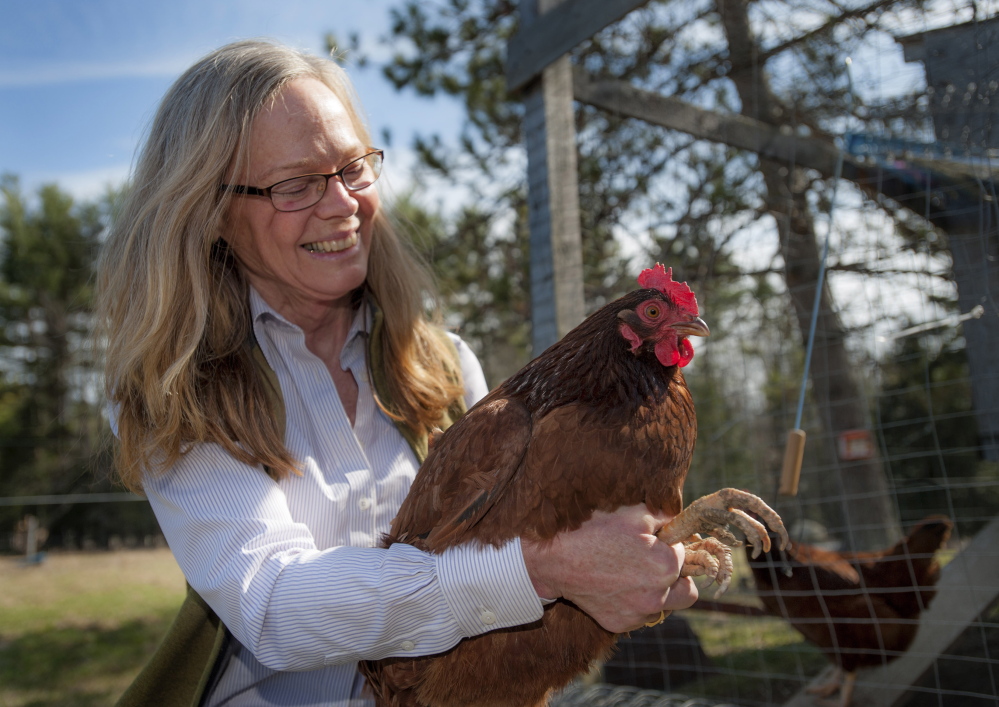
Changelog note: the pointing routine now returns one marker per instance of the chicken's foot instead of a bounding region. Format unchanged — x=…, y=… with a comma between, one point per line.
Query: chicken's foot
x=842, y=682
x=846, y=692
x=828, y=687
x=708, y=557
x=709, y=515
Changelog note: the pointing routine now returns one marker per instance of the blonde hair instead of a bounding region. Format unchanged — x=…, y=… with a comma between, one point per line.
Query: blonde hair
x=172, y=304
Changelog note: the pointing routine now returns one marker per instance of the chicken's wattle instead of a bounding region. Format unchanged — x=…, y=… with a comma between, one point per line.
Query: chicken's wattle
x=674, y=352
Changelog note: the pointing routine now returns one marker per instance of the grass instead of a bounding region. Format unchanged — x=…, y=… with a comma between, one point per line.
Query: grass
x=758, y=660
x=76, y=629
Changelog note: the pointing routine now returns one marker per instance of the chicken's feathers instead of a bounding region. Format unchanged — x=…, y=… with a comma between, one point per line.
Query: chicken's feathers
x=464, y=474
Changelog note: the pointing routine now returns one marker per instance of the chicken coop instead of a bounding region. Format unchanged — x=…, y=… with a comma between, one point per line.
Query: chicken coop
x=838, y=214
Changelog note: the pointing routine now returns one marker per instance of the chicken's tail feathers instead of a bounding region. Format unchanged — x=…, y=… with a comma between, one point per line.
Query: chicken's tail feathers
x=930, y=534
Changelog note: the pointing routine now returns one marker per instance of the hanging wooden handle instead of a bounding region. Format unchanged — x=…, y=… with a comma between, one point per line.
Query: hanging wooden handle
x=793, y=454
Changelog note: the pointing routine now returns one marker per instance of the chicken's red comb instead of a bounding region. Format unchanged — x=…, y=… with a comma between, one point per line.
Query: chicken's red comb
x=661, y=279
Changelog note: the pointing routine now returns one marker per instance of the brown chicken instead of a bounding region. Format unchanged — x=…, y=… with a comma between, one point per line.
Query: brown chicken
x=861, y=609
x=601, y=419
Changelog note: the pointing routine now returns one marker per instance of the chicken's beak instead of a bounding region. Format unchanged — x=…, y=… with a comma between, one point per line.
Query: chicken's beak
x=695, y=327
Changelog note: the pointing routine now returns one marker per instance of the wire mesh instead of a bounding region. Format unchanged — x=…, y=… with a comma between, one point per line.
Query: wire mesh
x=920, y=326
x=602, y=695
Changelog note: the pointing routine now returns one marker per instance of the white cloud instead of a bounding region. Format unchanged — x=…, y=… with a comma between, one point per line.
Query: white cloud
x=82, y=186
x=50, y=74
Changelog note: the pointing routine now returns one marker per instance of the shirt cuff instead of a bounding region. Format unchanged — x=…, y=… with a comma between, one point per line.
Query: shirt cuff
x=488, y=588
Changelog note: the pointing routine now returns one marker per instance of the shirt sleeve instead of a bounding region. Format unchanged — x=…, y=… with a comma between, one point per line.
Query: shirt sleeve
x=471, y=372
x=296, y=607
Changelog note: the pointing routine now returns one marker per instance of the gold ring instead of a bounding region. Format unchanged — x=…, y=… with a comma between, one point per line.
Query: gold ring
x=662, y=617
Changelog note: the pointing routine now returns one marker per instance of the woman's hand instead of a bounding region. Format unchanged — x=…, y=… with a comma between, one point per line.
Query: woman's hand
x=613, y=568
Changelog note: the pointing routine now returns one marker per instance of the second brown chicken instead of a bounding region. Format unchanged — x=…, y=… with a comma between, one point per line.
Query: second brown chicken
x=861, y=609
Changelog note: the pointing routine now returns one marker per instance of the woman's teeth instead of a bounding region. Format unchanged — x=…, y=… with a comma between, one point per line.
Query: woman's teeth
x=332, y=246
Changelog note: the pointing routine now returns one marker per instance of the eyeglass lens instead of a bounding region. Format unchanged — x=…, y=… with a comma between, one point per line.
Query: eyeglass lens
x=302, y=192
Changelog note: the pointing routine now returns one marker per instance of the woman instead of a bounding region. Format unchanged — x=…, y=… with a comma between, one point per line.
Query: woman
x=274, y=380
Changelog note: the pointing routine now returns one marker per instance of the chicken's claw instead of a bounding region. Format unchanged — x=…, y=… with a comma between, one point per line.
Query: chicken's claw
x=708, y=557
x=709, y=515
x=838, y=681
x=829, y=687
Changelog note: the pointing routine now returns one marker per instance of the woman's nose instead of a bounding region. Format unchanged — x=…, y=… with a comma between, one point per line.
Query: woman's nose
x=336, y=199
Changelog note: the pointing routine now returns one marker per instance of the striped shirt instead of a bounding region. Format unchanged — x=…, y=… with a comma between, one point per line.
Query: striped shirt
x=292, y=568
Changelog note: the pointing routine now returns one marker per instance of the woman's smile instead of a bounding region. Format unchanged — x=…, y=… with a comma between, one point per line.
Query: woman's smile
x=334, y=246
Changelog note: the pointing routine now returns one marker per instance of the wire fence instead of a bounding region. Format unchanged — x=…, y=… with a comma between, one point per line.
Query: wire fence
x=852, y=604
x=68, y=499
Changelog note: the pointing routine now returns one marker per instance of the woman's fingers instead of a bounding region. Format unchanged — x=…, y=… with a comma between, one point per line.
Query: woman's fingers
x=613, y=568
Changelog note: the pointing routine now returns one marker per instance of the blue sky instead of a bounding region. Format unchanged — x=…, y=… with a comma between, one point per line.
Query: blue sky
x=80, y=79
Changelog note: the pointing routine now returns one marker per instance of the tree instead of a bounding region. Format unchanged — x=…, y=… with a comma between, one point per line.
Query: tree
x=483, y=279
x=51, y=429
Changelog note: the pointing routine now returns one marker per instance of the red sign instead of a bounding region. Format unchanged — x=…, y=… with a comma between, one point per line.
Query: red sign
x=855, y=444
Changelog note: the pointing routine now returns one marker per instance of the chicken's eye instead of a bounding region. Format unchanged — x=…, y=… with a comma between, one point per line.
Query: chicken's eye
x=653, y=311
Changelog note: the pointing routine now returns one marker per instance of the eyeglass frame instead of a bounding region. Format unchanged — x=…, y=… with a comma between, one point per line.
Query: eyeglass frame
x=244, y=190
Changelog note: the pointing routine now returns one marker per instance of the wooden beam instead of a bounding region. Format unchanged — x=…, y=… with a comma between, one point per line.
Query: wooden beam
x=557, y=303
x=776, y=144
x=968, y=586
x=539, y=43
x=738, y=131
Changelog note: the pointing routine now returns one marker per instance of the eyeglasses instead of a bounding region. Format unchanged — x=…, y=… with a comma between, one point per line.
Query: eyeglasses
x=302, y=192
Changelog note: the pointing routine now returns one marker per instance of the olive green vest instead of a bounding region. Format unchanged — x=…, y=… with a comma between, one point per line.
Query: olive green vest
x=181, y=668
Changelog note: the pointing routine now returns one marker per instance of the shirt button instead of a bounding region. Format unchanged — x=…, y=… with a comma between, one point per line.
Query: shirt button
x=487, y=617
x=364, y=504
x=407, y=645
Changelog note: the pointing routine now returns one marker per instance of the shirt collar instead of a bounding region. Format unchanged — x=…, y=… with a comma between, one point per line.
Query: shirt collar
x=261, y=312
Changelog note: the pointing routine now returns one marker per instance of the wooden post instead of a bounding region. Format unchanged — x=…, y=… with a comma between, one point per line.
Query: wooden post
x=553, y=198
x=31, y=537
x=960, y=67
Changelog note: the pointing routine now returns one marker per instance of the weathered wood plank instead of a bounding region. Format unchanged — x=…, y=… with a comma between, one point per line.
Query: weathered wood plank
x=968, y=585
x=768, y=142
x=537, y=44
x=553, y=204
x=961, y=70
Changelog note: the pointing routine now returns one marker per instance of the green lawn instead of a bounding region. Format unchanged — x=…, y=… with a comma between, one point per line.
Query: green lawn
x=76, y=629
x=758, y=660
